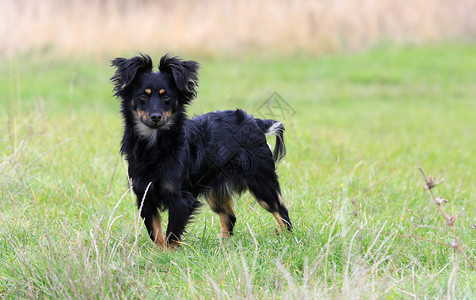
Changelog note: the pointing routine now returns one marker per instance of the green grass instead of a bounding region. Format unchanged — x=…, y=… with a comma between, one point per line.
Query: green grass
x=69, y=227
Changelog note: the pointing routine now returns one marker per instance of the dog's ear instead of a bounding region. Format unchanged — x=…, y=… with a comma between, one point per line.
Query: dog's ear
x=185, y=74
x=127, y=69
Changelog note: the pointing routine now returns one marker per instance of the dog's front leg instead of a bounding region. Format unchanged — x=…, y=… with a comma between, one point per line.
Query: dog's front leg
x=153, y=222
x=181, y=209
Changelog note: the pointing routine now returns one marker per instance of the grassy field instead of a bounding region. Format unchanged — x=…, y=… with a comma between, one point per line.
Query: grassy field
x=364, y=225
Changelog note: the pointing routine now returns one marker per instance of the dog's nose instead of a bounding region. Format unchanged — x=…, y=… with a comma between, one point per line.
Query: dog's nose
x=155, y=117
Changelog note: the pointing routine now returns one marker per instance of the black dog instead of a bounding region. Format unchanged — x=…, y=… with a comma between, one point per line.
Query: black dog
x=173, y=159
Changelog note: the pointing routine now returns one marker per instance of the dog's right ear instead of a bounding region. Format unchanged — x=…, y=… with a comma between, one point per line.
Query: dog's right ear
x=127, y=69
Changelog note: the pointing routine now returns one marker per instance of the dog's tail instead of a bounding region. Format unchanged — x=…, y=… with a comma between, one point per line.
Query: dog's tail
x=275, y=128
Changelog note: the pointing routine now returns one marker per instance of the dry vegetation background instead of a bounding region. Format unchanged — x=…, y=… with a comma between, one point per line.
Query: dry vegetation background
x=209, y=26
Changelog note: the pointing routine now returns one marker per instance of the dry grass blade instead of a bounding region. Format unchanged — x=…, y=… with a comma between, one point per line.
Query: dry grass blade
x=450, y=220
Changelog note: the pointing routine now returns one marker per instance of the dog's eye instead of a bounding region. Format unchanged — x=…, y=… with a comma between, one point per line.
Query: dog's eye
x=166, y=99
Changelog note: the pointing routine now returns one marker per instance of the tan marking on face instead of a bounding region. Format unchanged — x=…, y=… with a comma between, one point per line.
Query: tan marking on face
x=161, y=91
x=166, y=115
x=279, y=220
x=143, y=115
x=139, y=113
x=148, y=91
x=158, y=233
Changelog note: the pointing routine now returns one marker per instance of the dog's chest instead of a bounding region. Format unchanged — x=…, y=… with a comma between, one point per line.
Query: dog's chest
x=162, y=175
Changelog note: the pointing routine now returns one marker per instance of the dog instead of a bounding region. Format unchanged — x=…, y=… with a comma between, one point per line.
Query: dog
x=173, y=159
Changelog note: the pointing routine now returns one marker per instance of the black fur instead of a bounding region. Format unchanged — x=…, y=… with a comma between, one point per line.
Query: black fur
x=173, y=159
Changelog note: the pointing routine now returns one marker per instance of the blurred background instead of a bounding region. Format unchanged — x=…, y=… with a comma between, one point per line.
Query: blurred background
x=209, y=27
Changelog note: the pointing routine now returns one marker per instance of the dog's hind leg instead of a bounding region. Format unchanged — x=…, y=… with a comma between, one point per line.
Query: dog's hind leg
x=223, y=206
x=264, y=186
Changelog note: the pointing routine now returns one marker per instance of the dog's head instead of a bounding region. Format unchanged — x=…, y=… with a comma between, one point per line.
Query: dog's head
x=154, y=97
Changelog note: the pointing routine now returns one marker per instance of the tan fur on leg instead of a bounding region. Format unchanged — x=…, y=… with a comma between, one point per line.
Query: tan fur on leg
x=279, y=220
x=224, y=232
x=158, y=233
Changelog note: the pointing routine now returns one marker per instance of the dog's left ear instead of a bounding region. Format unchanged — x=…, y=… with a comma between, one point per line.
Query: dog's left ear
x=185, y=74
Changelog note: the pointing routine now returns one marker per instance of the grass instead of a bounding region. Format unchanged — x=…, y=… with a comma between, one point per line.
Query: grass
x=69, y=227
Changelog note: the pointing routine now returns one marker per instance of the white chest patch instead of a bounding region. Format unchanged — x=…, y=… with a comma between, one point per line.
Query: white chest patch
x=146, y=133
